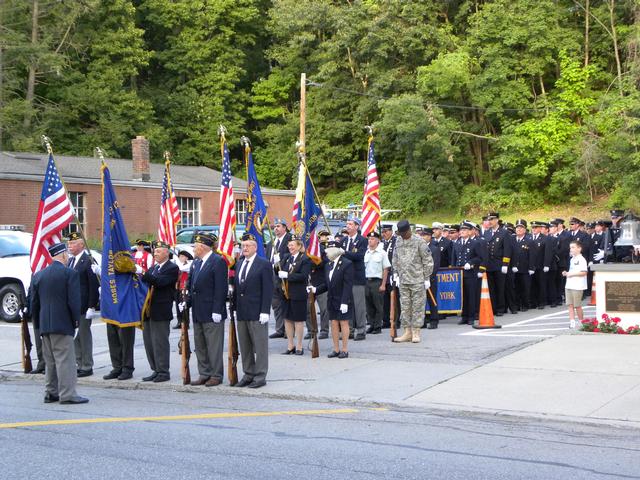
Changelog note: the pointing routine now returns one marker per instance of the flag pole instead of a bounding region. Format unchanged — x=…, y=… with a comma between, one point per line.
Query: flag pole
x=246, y=143
x=369, y=130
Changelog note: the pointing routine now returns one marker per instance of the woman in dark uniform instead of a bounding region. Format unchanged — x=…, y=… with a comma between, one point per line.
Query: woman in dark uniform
x=295, y=277
x=338, y=283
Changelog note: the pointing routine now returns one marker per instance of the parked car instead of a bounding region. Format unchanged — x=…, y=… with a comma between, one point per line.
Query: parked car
x=15, y=271
x=185, y=236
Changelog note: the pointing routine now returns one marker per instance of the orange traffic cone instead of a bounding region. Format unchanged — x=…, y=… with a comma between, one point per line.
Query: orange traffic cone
x=592, y=302
x=486, y=310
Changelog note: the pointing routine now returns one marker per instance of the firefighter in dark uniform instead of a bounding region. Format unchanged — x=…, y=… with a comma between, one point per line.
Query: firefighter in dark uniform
x=551, y=252
x=484, y=251
x=616, y=254
x=499, y=245
x=540, y=265
x=564, y=239
x=468, y=255
x=522, y=265
x=444, y=244
x=510, y=282
x=433, y=317
x=389, y=245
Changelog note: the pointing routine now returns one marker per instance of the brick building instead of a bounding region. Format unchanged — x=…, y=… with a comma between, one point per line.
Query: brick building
x=137, y=183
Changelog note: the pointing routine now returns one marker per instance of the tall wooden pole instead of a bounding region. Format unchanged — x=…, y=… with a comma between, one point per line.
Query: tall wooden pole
x=303, y=109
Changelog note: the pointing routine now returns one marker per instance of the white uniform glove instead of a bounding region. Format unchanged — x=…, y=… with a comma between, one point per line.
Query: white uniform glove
x=283, y=274
x=514, y=269
x=504, y=269
x=216, y=317
x=182, y=306
x=467, y=266
x=95, y=268
x=545, y=269
x=311, y=289
x=531, y=272
x=264, y=318
x=344, y=308
x=480, y=274
x=599, y=256
x=276, y=258
x=230, y=290
x=427, y=284
x=89, y=314
x=590, y=264
x=139, y=270
x=396, y=280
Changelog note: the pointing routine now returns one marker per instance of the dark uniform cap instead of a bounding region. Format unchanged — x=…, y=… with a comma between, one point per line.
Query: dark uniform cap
x=509, y=225
x=492, y=215
x=485, y=218
x=427, y=231
x=591, y=224
x=144, y=243
x=403, y=226
x=57, y=249
x=447, y=226
x=333, y=244
x=205, y=239
x=574, y=221
x=616, y=212
x=559, y=221
x=161, y=244
x=521, y=223
x=604, y=223
x=186, y=254
x=387, y=228
x=537, y=223
x=74, y=236
x=280, y=221
x=454, y=228
x=248, y=236
x=467, y=225
x=374, y=234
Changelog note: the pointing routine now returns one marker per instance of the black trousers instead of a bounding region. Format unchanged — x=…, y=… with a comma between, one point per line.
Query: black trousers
x=434, y=316
x=522, y=283
x=552, y=287
x=121, y=342
x=374, y=302
x=497, y=281
x=539, y=289
x=470, y=297
x=510, y=292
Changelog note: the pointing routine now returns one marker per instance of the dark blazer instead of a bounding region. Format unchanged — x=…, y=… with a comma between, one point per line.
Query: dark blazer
x=597, y=243
x=500, y=249
x=283, y=248
x=163, y=281
x=317, y=271
x=253, y=296
x=564, y=239
x=88, y=282
x=55, y=299
x=585, y=240
x=340, y=288
x=356, y=255
x=436, y=255
x=446, y=251
x=470, y=253
x=541, y=257
x=298, y=278
x=523, y=254
x=551, y=253
x=208, y=288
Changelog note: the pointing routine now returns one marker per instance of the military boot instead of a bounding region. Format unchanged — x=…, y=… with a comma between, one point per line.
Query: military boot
x=406, y=336
x=415, y=338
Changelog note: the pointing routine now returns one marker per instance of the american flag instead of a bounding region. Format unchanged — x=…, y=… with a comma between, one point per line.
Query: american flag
x=55, y=213
x=371, y=199
x=169, y=212
x=227, y=209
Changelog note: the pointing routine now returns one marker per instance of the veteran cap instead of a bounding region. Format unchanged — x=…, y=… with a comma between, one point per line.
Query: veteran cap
x=57, y=249
x=74, y=236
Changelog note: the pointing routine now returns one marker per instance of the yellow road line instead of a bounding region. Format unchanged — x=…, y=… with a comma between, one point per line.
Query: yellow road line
x=197, y=416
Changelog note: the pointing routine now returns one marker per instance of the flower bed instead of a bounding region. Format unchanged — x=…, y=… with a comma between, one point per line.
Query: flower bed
x=608, y=325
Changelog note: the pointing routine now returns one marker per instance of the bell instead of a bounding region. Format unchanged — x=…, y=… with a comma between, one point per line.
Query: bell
x=629, y=231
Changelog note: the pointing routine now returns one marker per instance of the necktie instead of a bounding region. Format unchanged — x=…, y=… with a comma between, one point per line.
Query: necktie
x=349, y=245
x=276, y=249
x=72, y=262
x=243, y=274
x=331, y=265
x=197, y=264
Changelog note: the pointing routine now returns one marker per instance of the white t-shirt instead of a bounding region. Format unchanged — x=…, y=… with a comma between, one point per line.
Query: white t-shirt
x=577, y=264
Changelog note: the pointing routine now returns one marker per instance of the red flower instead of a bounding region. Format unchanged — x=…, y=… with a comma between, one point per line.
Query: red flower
x=616, y=320
x=621, y=330
x=594, y=322
x=596, y=329
x=605, y=316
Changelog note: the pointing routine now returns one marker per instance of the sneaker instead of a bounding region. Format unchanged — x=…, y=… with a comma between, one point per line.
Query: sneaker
x=572, y=324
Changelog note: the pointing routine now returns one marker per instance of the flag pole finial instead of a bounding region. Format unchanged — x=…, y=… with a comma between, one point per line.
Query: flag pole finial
x=100, y=154
x=222, y=132
x=369, y=129
x=167, y=156
x=46, y=143
x=244, y=140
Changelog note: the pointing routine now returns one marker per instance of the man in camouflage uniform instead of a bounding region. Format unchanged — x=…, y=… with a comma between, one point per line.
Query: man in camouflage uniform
x=412, y=264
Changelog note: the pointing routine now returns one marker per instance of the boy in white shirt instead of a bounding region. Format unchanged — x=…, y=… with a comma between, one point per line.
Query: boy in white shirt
x=576, y=282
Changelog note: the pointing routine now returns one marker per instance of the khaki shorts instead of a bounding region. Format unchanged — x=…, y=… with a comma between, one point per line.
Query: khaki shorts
x=573, y=297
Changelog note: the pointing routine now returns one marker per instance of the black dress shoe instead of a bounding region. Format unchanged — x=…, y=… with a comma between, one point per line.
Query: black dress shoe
x=111, y=375
x=333, y=354
x=74, y=401
x=323, y=335
x=50, y=398
x=524, y=309
x=350, y=335
x=307, y=336
x=462, y=321
x=161, y=378
x=541, y=307
x=359, y=336
x=37, y=371
x=289, y=352
x=150, y=377
x=257, y=384
x=369, y=330
x=299, y=351
x=243, y=383
x=343, y=355
x=177, y=326
x=276, y=335
x=125, y=376
x=376, y=331
x=85, y=373
x=499, y=314
x=432, y=325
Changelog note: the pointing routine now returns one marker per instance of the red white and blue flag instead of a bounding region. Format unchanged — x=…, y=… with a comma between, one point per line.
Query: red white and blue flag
x=55, y=213
x=169, y=211
x=226, y=235
x=371, y=198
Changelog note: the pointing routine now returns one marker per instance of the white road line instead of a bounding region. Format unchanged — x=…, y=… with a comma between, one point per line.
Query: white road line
x=536, y=324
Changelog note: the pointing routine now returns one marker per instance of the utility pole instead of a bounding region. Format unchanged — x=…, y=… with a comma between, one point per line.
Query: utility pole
x=1, y=70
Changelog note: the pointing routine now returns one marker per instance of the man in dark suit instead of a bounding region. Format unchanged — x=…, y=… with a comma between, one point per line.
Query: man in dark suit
x=468, y=255
x=522, y=265
x=433, y=315
x=389, y=245
x=355, y=246
x=207, y=286
x=277, y=253
x=540, y=264
x=253, y=291
x=556, y=227
x=80, y=261
x=500, y=246
x=444, y=244
x=55, y=303
x=161, y=278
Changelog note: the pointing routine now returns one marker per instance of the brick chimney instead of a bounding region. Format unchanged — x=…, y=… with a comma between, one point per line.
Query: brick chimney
x=140, y=155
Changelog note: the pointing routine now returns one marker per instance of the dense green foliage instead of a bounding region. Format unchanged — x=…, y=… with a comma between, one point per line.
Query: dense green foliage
x=475, y=103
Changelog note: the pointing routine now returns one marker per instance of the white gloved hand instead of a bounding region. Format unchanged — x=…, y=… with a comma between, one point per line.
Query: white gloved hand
x=276, y=258
x=427, y=284
x=344, y=308
x=216, y=317
x=230, y=290
x=531, y=272
x=514, y=269
x=480, y=274
x=283, y=274
x=182, y=306
x=467, y=266
x=504, y=269
x=95, y=268
x=89, y=314
x=599, y=256
x=396, y=280
x=264, y=318
x=590, y=264
x=139, y=270
x=311, y=289
x=545, y=269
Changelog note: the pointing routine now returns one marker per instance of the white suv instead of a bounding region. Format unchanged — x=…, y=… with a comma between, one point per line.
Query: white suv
x=15, y=272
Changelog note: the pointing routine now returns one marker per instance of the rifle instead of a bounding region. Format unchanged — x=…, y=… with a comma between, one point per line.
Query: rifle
x=315, y=350
x=27, y=367
x=392, y=312
x=184, y=346
x=232, y=359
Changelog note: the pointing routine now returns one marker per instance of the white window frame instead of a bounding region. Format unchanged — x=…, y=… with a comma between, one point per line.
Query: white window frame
x=241, y=211
x=189, y=211
x=79, y=202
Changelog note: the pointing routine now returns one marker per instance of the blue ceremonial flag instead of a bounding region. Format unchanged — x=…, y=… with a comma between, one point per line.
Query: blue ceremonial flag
x=256, y=209
x=122, y=295
x=449, y=284
x=310, y=216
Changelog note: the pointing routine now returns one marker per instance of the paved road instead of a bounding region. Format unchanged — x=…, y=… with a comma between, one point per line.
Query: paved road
x=208, y=435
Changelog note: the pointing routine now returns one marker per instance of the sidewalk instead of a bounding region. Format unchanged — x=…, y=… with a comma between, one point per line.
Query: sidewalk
x=573, y=376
